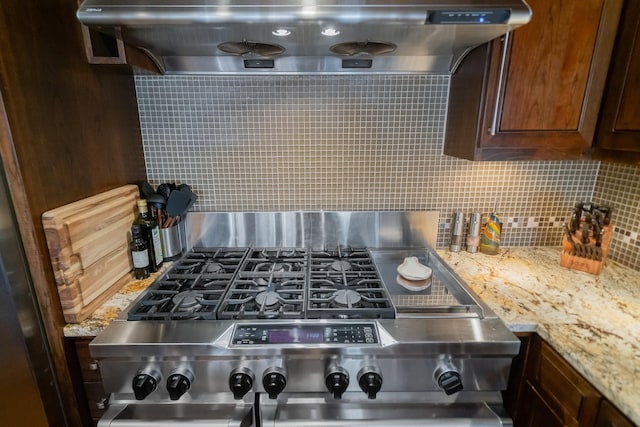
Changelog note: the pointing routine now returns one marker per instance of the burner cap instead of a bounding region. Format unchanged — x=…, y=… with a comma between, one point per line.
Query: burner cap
x=341, y=265
x=273, y=267
x=347, y=298
x=267, y=299
x=214, y=267
x=188, y=300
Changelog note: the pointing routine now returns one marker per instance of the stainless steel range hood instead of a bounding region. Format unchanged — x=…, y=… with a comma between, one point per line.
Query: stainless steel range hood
x=305, y=37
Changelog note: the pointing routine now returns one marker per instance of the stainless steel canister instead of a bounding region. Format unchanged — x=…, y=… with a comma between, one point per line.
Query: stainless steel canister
x=457, y=231
x=473, y=237
x=171, y=242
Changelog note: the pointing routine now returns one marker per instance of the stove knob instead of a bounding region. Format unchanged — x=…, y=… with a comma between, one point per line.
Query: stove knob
x=240, y=382
x=145, y=383
x=274, y=381
x=337, y=381
x=450, y=382
x=179, y=383
x=447, y=376
x=370, y=381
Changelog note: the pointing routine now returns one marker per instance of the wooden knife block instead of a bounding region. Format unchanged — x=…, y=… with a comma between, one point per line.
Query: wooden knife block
x=587, y=265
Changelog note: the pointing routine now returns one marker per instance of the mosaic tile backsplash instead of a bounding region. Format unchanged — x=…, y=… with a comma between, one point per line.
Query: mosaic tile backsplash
x=279, y=143
x=619, y=186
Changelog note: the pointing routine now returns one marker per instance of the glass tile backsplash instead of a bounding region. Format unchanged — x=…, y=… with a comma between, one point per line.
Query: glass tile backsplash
x=278, y=143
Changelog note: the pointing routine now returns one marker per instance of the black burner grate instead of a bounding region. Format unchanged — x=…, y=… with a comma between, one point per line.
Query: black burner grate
x=267, y=283
x=193, y=287
x=271, y=284
x=344, y=284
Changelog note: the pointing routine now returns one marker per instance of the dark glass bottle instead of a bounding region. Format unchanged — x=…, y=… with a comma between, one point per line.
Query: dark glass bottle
x=151, y=233
x=139, y=253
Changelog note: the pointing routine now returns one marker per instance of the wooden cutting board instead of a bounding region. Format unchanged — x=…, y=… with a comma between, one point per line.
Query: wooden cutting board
x=88, y=244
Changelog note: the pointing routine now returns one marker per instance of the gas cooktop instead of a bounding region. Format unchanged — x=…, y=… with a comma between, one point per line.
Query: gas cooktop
x=268, y=283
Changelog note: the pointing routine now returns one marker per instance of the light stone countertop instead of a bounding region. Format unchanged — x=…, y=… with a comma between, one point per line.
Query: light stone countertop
x=593, y=321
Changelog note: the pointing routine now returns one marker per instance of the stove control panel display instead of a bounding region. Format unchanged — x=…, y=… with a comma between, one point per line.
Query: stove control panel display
x=357, y=333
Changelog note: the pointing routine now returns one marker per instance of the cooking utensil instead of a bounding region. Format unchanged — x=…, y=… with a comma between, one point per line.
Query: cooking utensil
x=585, y=233
x=159, y=203
x=192, y=199
x=570, y=239
x=184, y=187
x=177, y=203
x=164, y=189
x=145, y=189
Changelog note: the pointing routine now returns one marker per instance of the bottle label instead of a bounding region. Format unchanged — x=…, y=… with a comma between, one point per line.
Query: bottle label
x=157, y=245
x=140, y=258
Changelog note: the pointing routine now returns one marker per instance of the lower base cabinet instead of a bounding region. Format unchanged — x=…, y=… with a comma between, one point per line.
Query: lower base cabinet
x=545, y=390
x=90, y=395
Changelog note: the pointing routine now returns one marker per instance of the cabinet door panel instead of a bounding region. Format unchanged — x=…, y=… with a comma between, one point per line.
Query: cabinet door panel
x=535, y=95
x=535, y=412
x=629, y=112
x=609, y=416
x=549, y=66
x=618, y=135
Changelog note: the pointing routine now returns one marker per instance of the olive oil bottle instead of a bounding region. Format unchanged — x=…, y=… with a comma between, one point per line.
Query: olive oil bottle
x=139, y=253
x=151, y=234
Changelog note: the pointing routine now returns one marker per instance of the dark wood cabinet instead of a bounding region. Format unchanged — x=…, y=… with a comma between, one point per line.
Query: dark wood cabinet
x=618, y=133
x=545, y=390
x=535, y=94
x=609, y=416
x=89, y=390
x=70, y=130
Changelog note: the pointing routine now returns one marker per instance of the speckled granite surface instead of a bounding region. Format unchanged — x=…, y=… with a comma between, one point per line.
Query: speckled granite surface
x=104, y=315
x=593, y=321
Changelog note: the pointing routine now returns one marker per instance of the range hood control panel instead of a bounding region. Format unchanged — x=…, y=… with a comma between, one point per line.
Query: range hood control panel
x=494, y=16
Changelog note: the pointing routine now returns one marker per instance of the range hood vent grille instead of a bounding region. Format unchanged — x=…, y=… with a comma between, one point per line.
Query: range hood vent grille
x=365, y=47
x=251, y=48
x=311, y=37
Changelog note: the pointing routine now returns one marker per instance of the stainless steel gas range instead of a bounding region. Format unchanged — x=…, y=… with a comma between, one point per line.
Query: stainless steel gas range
x=303, y=319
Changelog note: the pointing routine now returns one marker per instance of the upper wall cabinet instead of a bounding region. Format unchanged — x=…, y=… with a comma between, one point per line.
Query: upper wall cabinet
x=618, y=133
x=535, y=94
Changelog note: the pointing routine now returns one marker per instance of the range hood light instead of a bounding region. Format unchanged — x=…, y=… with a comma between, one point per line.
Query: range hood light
x=330, y=32
x=281, y=32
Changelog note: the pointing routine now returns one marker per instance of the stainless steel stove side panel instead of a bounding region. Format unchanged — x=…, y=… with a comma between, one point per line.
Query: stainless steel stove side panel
x=317, y=230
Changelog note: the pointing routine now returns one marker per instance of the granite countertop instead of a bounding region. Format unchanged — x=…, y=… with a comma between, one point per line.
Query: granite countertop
x=109, y=311
x=593, y=321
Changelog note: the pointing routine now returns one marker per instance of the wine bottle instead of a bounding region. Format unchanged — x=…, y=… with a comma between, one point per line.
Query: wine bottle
x=151, y=234
x=139, y=253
